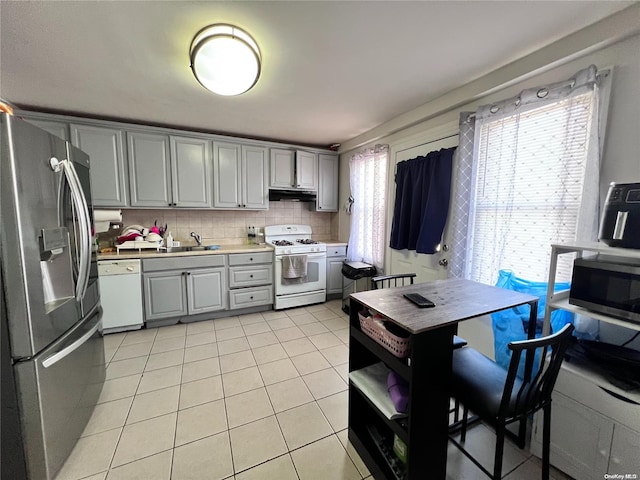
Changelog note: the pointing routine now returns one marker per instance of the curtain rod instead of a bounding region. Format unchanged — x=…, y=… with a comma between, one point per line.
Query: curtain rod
x=602, y=73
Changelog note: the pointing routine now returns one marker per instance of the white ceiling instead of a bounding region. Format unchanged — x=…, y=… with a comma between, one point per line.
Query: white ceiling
x=331, y=70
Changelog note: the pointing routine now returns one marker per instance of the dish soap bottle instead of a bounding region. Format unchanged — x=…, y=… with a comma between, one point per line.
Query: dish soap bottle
x=169, y=240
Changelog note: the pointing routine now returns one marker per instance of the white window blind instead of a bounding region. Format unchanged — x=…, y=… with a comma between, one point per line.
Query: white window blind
x=529, y=181
x=368, y=179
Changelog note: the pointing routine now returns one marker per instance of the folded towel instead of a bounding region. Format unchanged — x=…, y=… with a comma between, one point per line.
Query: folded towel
x=294, y=266
x=399, y=392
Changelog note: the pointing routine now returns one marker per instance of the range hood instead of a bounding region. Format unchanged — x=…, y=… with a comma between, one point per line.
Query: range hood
x=292, y=196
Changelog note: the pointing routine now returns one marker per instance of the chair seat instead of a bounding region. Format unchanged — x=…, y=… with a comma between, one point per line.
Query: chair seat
x=459, y=342
x=478, y=382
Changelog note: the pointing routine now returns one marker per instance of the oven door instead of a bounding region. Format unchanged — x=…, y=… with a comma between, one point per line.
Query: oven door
x=316, y=275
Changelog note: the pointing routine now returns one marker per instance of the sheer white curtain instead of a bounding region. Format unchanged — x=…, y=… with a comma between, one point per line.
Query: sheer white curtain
x=368, y=179
x=534, y=180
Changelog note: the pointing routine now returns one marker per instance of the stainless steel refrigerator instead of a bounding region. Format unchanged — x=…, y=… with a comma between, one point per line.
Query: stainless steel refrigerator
x=53, y=364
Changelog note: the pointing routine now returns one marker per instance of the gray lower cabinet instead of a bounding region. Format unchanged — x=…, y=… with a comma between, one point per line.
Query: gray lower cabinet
x=336, y=255
x=180, y=286
x=105, y=147
x=250, y=279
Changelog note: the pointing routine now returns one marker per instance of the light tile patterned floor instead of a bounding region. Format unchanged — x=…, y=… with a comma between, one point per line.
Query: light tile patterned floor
x=260, y=396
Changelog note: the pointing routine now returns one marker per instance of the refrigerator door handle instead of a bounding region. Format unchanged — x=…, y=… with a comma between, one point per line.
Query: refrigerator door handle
x=56, y=357
x=84, y=222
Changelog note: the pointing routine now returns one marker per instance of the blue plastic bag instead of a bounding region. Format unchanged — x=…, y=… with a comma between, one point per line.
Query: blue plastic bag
x=511, y=325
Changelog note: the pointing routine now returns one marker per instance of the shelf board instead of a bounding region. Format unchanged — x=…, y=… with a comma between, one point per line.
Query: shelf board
x=399, y=365
x=372, y=383
x=563, y=304
x=596, y=247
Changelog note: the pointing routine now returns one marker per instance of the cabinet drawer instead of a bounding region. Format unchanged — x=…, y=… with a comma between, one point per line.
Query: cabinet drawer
x=248, y=275
x=250, y=258
x=251, y=297
x=178, y=263
x=336, y=250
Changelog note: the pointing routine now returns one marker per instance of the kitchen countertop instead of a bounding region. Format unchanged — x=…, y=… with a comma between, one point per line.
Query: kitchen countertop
x=150, y=253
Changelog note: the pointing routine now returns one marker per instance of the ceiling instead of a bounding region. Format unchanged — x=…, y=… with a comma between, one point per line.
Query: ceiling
x=332, y=70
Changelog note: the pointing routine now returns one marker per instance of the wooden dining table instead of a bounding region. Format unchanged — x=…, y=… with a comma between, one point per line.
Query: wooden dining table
x=426, y=369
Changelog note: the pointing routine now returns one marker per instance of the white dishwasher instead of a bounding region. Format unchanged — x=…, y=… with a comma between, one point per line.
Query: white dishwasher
x=120, y=295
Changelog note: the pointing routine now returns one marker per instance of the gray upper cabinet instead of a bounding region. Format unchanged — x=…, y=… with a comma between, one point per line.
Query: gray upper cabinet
x=191, y=172
x=306, y=170
x=328, y=167
x=282, y=168
x=59, y=129
x=108, y=172
x=240, y=176
x=169, y=171
x=149, y=170
x=293, y=169
x=255, y=171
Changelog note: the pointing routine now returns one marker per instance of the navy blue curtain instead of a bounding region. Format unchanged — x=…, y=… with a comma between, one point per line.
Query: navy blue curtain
x=423, y=188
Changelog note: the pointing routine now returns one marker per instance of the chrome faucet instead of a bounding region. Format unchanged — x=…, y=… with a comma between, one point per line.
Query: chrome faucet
x=197, y=237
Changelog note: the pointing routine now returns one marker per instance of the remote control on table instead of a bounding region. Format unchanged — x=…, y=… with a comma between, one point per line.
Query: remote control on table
x=419, y=300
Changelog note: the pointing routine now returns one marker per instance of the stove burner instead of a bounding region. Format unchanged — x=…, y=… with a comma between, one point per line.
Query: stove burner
x=307, y=241
x=282, y=243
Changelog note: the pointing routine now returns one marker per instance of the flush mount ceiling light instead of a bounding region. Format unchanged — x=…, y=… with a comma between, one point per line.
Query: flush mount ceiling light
x=225, y=59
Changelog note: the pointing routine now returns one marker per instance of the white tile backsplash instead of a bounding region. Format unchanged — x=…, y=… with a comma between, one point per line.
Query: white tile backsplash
x=230, y=227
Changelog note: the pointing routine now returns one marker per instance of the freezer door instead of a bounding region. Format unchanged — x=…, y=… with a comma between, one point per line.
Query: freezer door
x=39, y=239
x=58, y=390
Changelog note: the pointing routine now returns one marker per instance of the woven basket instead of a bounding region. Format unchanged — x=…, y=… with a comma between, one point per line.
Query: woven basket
x=396, y=345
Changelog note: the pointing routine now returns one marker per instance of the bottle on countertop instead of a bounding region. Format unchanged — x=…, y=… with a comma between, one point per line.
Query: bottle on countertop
x=169, y=240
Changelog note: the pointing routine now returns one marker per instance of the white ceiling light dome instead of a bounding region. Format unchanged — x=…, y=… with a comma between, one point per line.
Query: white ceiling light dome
x=225, y=59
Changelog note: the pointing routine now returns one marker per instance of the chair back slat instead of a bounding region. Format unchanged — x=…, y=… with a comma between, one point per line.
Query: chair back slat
x=535, y=392
x=395, y=280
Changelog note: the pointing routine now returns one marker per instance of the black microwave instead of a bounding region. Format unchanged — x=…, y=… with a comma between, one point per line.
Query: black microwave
x=608, y=285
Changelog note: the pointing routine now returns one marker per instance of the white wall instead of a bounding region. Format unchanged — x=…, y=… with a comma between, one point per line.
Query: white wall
x=614, y=42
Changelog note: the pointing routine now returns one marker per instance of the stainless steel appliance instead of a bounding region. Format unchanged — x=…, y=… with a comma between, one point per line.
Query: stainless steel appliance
x=121, y=295
x=608, y=285
x=293, y=242
x=51, y=314
x=620, y=225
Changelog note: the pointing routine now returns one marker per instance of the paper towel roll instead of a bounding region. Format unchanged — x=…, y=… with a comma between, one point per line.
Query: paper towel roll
x=102, y=218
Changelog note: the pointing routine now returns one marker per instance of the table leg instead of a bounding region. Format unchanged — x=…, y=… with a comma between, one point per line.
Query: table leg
x=429, y=406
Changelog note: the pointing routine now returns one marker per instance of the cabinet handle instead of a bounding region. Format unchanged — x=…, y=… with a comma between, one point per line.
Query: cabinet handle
x=244, y=206
x=251, y=259
x=250, y=276
x=239, y=205
x=251, y=297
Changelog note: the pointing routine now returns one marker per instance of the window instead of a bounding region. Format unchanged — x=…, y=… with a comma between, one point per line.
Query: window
x=368, y=179
x=529, y=181
x=527, y=176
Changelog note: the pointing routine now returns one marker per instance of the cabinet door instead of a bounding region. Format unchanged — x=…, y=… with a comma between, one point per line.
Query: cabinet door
x=59, y=129
x=149, y=170
x=164, y=295
x=255, y=185
x=306, y=170
x=191, y=172
x=580, y=438
x=625, y=451
x=108, y=171
x=334, y=274
x=226, y=172
x=327, y=183
x=206, y=290
x=282, y=168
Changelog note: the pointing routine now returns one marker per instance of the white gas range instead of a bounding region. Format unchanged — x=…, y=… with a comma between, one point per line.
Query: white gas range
x=300, y=275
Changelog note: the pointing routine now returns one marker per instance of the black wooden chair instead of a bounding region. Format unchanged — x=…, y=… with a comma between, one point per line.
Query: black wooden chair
x=499, y=397
x=389, y=281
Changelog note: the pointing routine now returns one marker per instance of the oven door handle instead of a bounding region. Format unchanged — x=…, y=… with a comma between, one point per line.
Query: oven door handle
x=309, y=255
